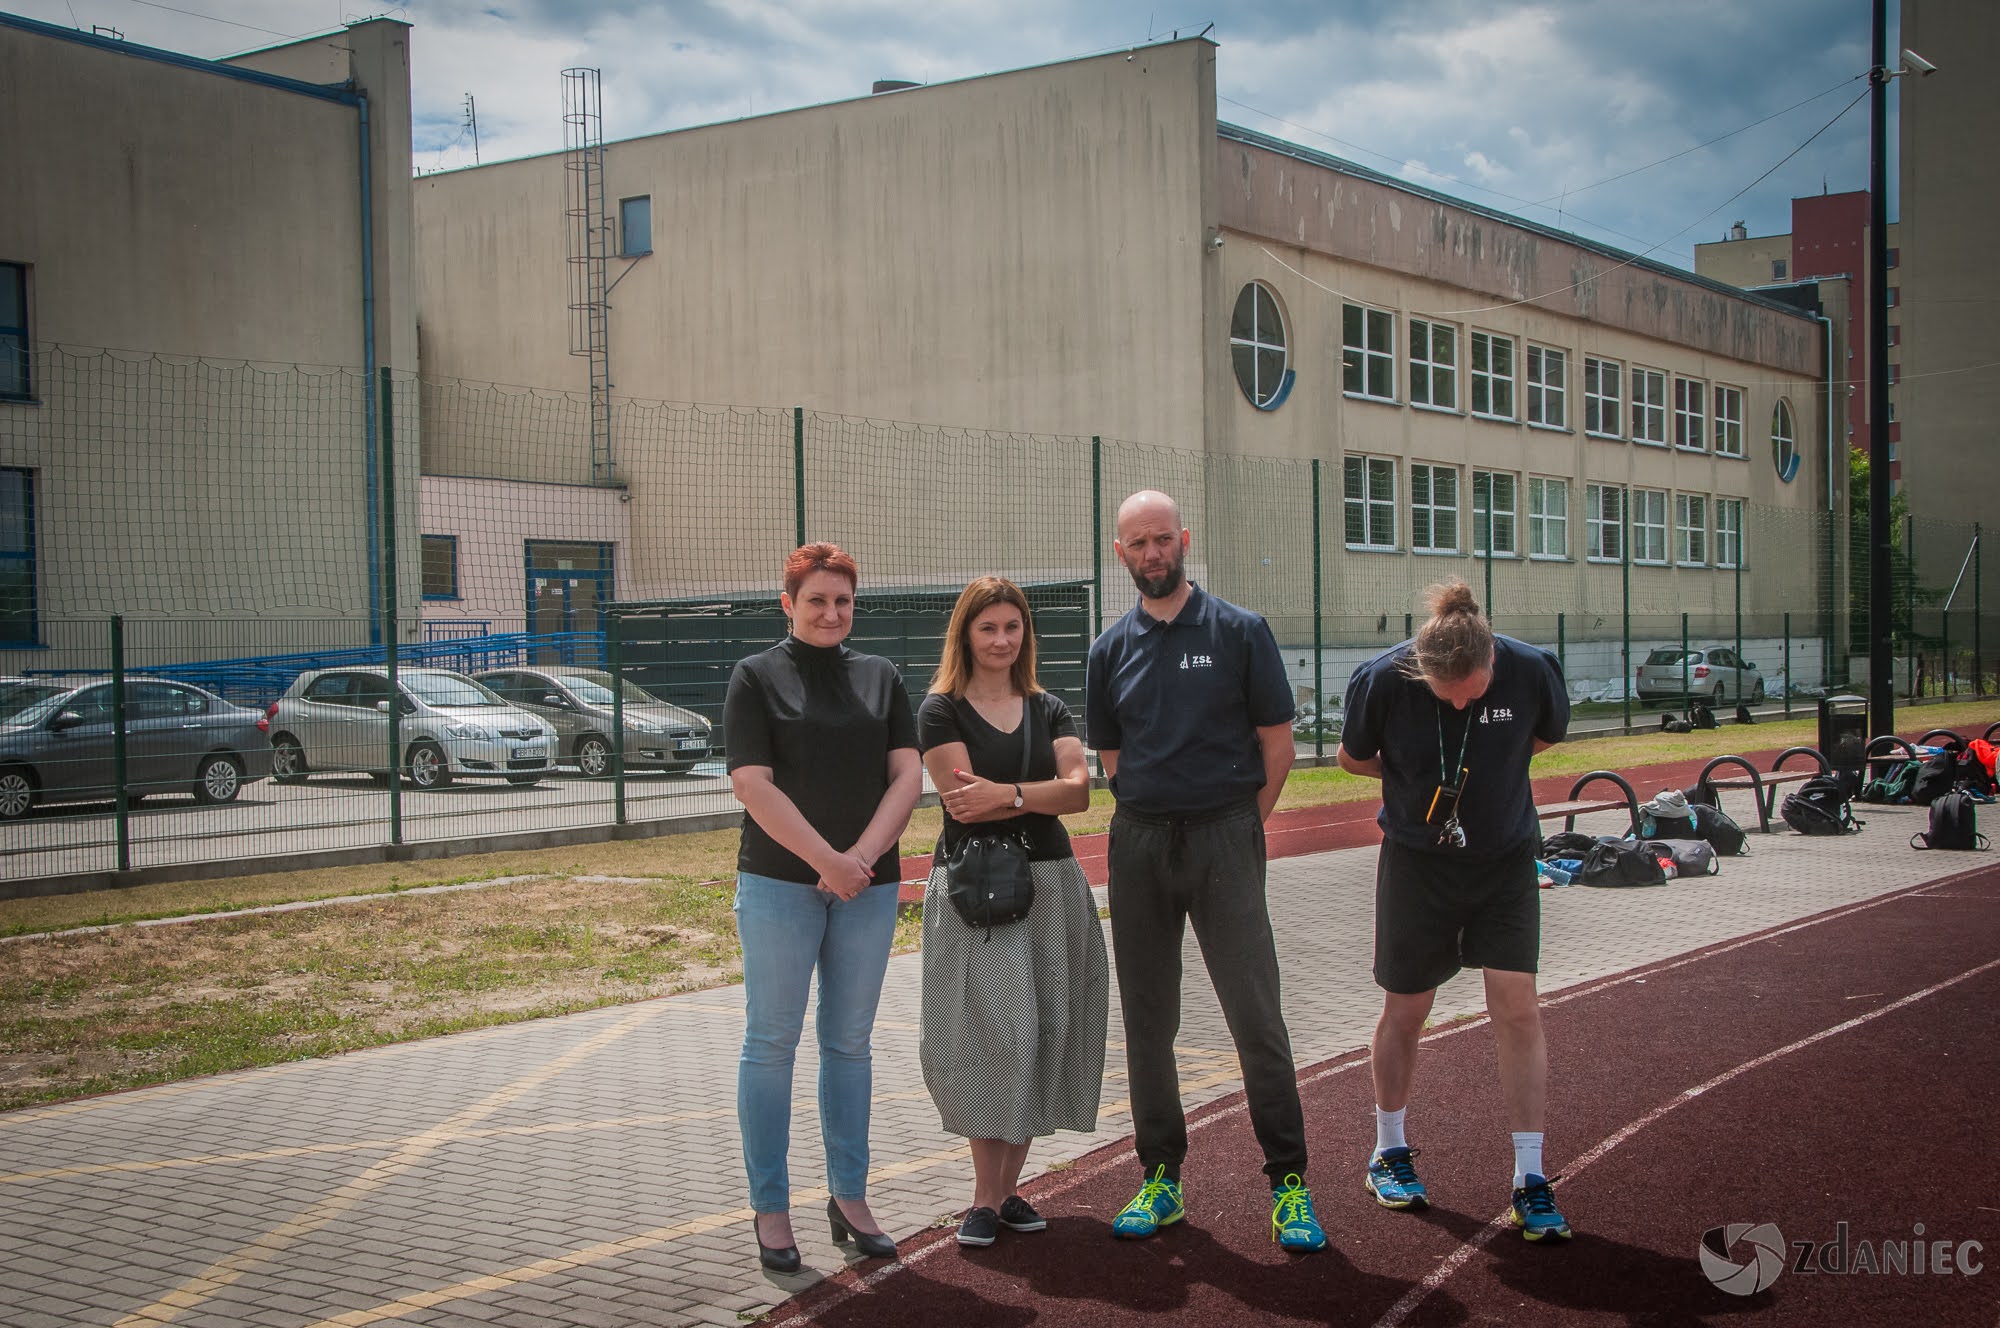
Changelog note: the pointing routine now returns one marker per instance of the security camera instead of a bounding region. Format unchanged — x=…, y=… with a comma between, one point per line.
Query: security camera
x=1215, y=240
x=1914, y=63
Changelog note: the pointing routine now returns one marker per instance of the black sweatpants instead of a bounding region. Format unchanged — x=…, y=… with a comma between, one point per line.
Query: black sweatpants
x=1206, y=868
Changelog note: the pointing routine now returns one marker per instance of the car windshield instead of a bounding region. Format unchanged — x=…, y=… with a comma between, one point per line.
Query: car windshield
x=448, y=693
x=595, y=689
x=25, y=702
x=1673, y=656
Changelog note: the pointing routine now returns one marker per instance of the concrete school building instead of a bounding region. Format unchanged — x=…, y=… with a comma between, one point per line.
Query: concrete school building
x=200, y=264
x=1082, y=250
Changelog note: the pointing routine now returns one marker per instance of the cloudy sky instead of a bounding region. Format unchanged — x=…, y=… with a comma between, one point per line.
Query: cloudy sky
x=1593, y=115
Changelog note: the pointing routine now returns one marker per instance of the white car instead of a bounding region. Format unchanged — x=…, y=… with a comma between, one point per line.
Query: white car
x=1714, y=675
x=449, y=727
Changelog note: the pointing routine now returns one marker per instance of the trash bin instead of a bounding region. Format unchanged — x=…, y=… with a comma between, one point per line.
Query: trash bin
x=1843, y=733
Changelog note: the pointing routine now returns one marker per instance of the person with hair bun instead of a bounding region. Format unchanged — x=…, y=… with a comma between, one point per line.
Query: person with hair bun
x=823, y=757
x=1449, y=721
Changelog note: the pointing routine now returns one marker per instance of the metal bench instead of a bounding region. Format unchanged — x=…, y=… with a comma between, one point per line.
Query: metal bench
x=1576, y=805
x=1764, y=785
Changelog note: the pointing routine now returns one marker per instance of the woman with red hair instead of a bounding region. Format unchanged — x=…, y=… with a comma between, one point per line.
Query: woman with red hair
x=823, y=757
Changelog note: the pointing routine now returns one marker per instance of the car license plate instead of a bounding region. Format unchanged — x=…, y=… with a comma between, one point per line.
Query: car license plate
x=530, y=753
x=692, y=744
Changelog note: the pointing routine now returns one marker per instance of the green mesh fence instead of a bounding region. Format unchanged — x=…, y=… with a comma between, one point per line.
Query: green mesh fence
x=234, y=520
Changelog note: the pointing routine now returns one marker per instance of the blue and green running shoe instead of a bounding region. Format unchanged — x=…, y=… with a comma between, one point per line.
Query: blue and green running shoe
x=1393, y=1181
x=1535, y=1211
x=1156, y=1205
x=1294, y=1225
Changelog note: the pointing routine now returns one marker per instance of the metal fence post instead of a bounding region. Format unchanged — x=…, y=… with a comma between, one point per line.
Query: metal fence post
x=390, y=633
x=1319, y=638
x=1788, y=666
x=1097, y=534
x=1562, y=645
x=119, y=768
x=614, y=641
x=1944, y=650
x=1625, y=610
x=1489, y=542
x=1685, y=696
x=799, y=475
x=1978, y=606
x=1910, y=597
x=1739, y=623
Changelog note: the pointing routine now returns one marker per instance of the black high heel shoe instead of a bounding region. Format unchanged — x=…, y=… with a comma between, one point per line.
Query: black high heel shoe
x=876, y=1246
x=779, y=1259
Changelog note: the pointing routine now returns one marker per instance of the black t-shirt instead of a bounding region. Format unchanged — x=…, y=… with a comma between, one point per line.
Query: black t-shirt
x=1401, y=720
x=997, y=756
x=824, y=719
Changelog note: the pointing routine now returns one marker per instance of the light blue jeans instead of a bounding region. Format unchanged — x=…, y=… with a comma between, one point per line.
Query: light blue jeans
x=787, y=930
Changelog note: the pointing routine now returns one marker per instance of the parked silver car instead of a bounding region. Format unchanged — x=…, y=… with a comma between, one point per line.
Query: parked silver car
x=578, y=702
x=57, y=743
x=1715, y=675
x=450, y=727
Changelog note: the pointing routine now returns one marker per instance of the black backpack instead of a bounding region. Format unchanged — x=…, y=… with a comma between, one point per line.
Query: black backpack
x=1895, y=785
x=1820, y=808
x=1718, y=828
x=1954, y=824
x=1701, y=716
x=1936, y=777
x=1972, y=774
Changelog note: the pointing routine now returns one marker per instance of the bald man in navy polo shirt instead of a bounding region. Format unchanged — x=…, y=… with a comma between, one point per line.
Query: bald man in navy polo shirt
x=1190, y=712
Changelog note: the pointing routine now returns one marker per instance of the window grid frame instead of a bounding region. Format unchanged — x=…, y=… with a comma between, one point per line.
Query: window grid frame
x=1484, y=512
x=1367, y=503
x=1542, y=521
x=26, y=556
x=1728, y=425
x=1261, y=294
x=1729, y=534
x=1490, y=378
x=1597, y=525
x=1690, y=414
x=1428, y=514
x=1370, y=356
x=1605, y=404
x=1649, y=510
x=1649, y=409
x=1430, y=366
x=1541, y=392
x=24, y=371
x=1691, y=530
x=425, y=543
x=625, y=249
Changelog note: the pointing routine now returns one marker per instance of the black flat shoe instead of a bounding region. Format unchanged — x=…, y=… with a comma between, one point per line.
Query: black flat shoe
x=876, y=1246
x=783, y=1259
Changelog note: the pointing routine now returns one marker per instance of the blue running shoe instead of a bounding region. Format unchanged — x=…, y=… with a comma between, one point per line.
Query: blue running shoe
x=1156, y=1205
x=1393, y=1181
x=1294, y=1225
x=1535, y=1212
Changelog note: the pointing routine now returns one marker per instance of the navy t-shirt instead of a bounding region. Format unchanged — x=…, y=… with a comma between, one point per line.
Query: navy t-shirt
x=1181, y=703
x=1401, y=720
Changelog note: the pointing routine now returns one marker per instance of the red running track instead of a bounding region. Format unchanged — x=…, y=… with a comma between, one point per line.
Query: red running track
x=1839, y=1069
x=1352, y=824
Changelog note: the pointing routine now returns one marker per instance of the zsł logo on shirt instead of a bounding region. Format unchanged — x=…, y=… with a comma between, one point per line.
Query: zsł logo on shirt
x=1199, y=661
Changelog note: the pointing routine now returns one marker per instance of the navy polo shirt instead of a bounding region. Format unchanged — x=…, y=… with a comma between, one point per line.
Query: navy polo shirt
x=1181, y=703
x=1398, y=718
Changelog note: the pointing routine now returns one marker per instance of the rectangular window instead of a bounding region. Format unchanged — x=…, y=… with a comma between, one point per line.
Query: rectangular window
x=1433, y=364
x=1548, y=387
x=1492, y=376
x=1690, y=529
x=1729, y=532
x=1548, y=518
x=14, y=380
x=1729, y=421
x=1649, y=526
x=1371, y=502
x=1494, y=507
x=635, y=226
x=1895, y=331
x=1604, y=523
x=1895, y=296
x=1433, y=509
x=17, y=557
x=1602, y=400
x=1778, y=266
x=1690, y=419
x=1368, y=345
x=440, y=567
x=1649, y=406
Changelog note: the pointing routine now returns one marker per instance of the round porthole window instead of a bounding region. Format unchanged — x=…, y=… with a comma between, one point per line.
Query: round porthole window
x=1784, y=442
x=1257, y=347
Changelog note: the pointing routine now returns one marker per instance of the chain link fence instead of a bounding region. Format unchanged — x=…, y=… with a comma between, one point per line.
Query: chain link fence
x=193, y=547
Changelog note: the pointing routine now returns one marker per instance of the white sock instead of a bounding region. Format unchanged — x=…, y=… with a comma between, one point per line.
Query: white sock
x=1527, y=1156
x=1388, y=1130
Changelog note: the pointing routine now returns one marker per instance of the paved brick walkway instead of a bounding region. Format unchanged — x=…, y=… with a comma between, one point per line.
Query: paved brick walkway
x=585, y=1170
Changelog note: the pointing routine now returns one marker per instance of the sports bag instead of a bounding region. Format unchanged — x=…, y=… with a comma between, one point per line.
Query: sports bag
x=1719, y=829
x=1667, y=817
x=1894, y=785
x=1620, y=863
x=1692, y=857
x=1954, y=824
x=1937, y=777
x=987, y=877
x=1820, y=808
x=1972, y=774
x=1567, y=844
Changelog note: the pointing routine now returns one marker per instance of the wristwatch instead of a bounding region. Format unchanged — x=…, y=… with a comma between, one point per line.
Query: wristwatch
x=1019, y=797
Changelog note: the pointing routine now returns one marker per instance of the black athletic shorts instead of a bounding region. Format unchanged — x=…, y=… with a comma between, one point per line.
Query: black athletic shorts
x=1436, y=914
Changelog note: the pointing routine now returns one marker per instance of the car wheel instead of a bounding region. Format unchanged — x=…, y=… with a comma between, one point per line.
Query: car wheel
x=427, y=766
x=1757, y=693
x=593, y=757
x=524, y=781
x=17, y=793
x=219, y=779
x=288, y=760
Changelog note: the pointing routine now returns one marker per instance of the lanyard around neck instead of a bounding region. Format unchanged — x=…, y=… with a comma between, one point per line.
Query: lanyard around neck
x=1451, y=774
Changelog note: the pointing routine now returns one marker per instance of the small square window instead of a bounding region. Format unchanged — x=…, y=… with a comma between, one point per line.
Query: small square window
x=1778, y=266
x=441, y=567
x=635, y=226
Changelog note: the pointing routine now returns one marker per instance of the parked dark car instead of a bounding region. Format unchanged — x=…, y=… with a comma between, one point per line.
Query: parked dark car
x=578, y=703
x=56, y=743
